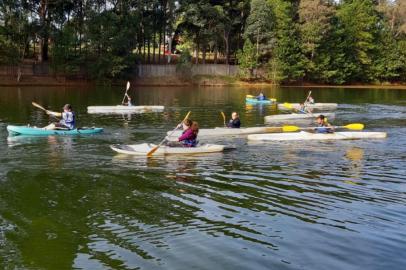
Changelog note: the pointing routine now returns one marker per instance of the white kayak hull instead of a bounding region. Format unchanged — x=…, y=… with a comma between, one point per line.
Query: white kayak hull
x=296, y=116
x=317, y=106
x=124, y=109
x=297, y=136
x=144, y=148
x=221, y=131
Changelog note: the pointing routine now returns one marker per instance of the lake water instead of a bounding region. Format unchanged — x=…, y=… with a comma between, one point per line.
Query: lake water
x=72, y=203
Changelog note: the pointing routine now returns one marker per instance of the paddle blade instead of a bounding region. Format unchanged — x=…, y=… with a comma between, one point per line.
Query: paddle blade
x=128, y=86
x=249, y=96
x=38, y=106
x=288, y=105
x=290, y=128
x=152, y=151
x=355, y=126
x=224, y=116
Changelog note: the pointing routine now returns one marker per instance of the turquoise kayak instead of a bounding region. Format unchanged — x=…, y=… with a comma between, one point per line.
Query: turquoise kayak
x=256, y=101
x=35, y=131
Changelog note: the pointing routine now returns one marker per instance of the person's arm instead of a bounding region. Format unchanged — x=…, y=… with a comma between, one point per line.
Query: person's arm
x=57, y=114
x=185, y=135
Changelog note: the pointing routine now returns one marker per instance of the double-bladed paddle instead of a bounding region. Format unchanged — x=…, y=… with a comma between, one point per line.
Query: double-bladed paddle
x=354, y=126
x=126, y=90
x=45, y=110
x=160, y=144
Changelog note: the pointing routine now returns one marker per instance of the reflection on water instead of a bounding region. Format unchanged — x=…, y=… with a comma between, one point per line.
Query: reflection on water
x=71, y=202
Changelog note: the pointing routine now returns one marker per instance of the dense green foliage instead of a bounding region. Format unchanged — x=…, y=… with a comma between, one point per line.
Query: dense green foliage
x=323, y=41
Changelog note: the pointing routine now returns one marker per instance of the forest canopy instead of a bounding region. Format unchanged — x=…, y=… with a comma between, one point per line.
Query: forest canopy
x=284, y=41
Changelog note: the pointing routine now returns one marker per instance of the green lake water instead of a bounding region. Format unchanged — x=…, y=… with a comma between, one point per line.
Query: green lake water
x=72, y=203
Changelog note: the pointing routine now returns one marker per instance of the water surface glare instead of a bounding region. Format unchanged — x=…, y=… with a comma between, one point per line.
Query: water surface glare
x=72, y=203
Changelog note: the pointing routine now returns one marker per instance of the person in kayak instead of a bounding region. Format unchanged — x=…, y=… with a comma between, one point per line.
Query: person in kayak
x=302, y=109
x=189, y=135
x=67, y=121
x=234, y=121
x=128, y=103
x=310, y=100
x=261, y=96
x=323, y=126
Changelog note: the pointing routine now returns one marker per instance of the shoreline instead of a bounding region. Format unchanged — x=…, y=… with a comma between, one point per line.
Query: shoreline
x=199, y=81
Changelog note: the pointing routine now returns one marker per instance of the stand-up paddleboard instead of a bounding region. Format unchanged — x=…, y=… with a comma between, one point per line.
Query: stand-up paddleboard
x=222, y=131
x=303, y=135
x=296, y=116
x=124, y=109
x=317, y=106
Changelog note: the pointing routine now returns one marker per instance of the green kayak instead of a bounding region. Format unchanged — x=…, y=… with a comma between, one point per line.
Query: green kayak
x=35, y=131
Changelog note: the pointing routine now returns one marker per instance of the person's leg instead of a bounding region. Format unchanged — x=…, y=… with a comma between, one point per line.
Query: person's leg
x=174, y=144
x=50, y=126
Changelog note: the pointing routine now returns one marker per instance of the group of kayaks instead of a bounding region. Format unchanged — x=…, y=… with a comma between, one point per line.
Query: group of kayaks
x=265, y=133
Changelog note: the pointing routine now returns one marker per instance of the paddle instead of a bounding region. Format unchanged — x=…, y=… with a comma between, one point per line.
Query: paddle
x=310, y=92
x=126, y=90
x=355, y=126
x=160, y=144
x=42, y=108
x=224, y=118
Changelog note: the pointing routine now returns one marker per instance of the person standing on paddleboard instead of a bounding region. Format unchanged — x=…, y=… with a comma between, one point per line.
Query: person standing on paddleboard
x=234, y=121
x=67, y=121
x=323, y=126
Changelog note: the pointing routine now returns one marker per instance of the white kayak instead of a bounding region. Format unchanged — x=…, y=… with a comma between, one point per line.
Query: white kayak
x=221, y=131
x=144, y=148
x=318, y=106
x=124, y=109
x=303, y=135
x=296, y=116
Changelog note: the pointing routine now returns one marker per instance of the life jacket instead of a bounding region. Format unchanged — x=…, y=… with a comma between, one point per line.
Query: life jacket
x=190, y=141
x=234, y=123
x=68, y=119
x=322, y=128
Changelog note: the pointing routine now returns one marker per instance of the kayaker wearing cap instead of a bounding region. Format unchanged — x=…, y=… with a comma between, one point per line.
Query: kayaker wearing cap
x=323, y=126
x=261, y=96
x=67, y=121
x=234, y=121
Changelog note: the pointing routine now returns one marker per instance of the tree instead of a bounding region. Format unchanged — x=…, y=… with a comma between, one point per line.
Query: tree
x=287, y=58
x=259, y=27
x=315, y=24
x=247, y=60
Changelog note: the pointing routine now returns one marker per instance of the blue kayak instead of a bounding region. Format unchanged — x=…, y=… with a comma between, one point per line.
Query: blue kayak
x=256, y=101
x=34, y=131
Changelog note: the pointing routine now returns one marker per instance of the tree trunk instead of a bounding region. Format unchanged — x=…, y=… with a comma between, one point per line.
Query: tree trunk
x=169, y=48
x=226, y=43
x=149, y=50
x=215, y=53
x=197, y=53
x=204, y=54
x=159, y=46
x=43, y=50
x=153, y=48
